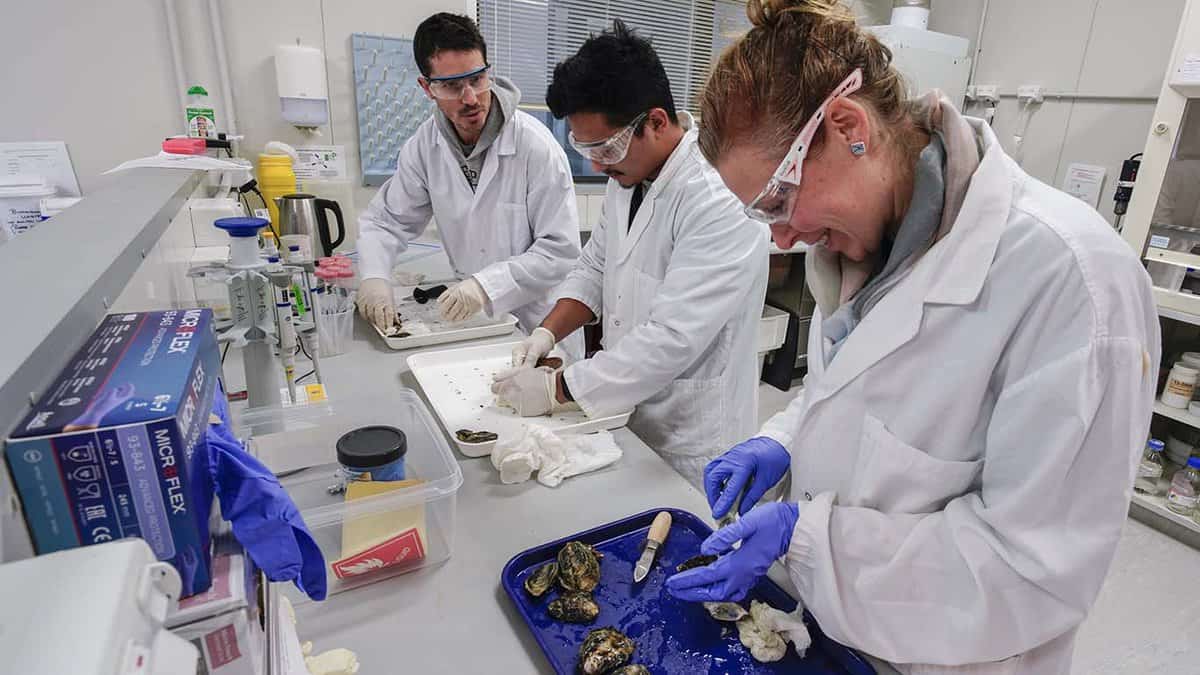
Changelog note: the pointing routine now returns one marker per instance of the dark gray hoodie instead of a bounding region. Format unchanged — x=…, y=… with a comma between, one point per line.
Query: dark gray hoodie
x=505, y=97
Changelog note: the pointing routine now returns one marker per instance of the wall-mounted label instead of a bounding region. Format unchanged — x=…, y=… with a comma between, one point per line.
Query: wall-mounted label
x=1084, y=182
x=321, y=162
x=1189, y=70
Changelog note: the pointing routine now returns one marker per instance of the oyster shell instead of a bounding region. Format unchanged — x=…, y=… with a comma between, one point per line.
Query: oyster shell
x=603, y=650
x=726, y=611
x=635, y=669
x=574, y=608
x=551, y=362
x=578, y=567
x=396, y=329
x=695, y=561
x=468, y=436
x=542, y=579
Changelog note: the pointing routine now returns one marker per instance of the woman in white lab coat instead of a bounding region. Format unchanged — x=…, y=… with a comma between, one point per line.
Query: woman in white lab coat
x=981, y=365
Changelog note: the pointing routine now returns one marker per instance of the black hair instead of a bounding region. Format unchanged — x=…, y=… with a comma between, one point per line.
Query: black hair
x=615, y=73
x=445, y=31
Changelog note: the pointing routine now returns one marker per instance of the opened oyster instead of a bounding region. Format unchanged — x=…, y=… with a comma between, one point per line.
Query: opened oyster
x=551, y=362
x=574, y=608
x=396, y=330
x=695, y=561
x=635, y=669
x=468, y=436
x=726, y=611
x=578, y=567
x=542, y=579
x=603, y=650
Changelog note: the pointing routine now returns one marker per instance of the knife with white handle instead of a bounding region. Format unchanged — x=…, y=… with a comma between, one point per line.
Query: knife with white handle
x=658, y=534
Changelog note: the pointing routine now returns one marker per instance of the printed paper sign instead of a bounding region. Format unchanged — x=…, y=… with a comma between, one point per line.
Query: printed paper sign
x=403, y=547
x=321, y=162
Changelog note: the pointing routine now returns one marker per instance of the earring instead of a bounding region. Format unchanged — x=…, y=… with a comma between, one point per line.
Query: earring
x=858, y=148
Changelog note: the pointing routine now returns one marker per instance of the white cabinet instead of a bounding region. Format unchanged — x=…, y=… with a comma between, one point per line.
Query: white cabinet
x=1163, y=222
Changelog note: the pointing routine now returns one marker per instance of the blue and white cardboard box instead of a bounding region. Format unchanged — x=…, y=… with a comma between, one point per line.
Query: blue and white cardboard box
x=115, y=448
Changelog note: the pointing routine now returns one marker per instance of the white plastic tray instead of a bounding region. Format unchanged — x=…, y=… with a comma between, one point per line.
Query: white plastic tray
x=427, y=327
x=458, y=384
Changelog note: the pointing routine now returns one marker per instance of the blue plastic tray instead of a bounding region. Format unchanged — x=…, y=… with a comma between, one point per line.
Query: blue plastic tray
x=672, y=636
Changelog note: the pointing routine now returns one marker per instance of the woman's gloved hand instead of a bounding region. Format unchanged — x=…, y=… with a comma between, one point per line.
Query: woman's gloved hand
x=754, y=466
x=765, y=533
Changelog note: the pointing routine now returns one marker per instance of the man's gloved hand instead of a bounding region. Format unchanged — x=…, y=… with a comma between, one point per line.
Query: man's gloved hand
x=755, y=466
x=463, y=301
x=376, y=303
x=527, y=352
x=765, y=533
x=530, y=392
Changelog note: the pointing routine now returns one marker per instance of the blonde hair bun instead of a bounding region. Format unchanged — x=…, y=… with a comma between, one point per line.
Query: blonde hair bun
x=764, y=13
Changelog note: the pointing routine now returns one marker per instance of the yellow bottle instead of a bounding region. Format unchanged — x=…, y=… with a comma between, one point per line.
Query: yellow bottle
x=275, y=179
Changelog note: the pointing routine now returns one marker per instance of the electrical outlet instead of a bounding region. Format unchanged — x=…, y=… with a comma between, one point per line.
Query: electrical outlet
x=1030, y=92
x=987, y=93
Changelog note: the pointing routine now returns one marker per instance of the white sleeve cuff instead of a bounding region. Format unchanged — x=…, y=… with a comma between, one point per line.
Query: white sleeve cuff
x=581, y=290
x=811, y=529
x=574, y=386
x=498, y=284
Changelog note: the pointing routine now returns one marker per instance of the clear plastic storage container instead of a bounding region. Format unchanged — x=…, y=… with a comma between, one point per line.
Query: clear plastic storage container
x=367, y=530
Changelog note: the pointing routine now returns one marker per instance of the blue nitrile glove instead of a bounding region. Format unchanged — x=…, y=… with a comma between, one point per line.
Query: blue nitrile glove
x=765, y=533
x=755, y=466
x=265, y=520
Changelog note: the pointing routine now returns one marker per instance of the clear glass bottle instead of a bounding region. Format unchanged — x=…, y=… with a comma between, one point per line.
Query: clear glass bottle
x=1150, y=471
x=1185, y=485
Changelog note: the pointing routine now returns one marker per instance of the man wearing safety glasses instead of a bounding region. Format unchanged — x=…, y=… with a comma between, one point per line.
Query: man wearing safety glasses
x=496, y=181
x=674, y=269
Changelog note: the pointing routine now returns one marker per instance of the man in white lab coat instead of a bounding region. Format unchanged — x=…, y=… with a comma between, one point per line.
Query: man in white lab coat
x=494, y=178
x=675, y=270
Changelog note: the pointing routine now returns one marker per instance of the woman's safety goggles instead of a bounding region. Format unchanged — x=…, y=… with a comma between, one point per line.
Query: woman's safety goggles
x=610, y=150
x=777, y=200
x=456, y=86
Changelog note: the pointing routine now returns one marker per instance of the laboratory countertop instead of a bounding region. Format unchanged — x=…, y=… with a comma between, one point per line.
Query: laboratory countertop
x=455, y=617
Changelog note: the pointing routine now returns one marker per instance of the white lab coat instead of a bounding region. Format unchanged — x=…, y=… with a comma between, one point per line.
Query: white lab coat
x=517, y=233
x=681, y=296
x=969, y=452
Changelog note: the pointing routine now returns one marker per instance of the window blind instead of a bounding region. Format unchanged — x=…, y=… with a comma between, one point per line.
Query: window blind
x=526, y=38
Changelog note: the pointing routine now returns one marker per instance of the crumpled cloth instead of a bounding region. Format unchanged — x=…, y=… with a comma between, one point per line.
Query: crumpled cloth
x=789, y=628
x=554, y=457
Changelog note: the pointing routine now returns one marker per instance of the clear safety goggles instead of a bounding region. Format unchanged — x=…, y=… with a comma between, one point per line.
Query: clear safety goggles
x=456, y=86
x=610, y=150
x=777, y=200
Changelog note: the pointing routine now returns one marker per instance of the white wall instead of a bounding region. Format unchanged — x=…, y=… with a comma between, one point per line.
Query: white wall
x=98, y=75
x=1113, y=48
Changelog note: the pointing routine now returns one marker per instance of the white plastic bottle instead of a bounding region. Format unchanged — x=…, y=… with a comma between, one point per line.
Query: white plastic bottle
x=202, y=123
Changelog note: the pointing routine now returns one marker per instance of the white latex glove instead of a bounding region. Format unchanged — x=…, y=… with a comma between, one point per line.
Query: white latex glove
x=530, y=392
x=462, y=300
x=527, y=352
x=376, y=303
